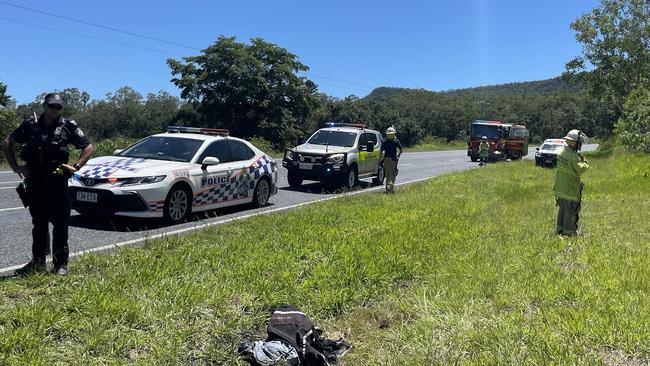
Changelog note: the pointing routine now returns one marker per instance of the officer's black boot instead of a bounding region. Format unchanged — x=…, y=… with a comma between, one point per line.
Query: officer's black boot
x=36, y=265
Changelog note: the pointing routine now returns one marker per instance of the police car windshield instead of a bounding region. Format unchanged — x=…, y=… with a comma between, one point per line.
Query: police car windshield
x=164, y=148
x=492, y=132
x=551, y=147
x=333, y=138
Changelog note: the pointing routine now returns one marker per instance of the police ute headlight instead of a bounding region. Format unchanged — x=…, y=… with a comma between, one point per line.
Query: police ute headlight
x=144, y=180
x=336, y=158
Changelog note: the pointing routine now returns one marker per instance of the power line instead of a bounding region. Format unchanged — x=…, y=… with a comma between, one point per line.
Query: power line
x=99, y=25
x=134, y=34
x=90, y=37
x=340, y=81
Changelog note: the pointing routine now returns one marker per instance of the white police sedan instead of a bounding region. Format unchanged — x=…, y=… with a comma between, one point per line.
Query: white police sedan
x=173, y=174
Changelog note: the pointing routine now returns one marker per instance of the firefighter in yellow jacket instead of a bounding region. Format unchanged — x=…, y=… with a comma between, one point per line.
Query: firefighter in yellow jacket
x=568, y=186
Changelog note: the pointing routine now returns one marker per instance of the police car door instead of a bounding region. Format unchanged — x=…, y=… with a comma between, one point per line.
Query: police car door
x=243, y=176
x=212, y=182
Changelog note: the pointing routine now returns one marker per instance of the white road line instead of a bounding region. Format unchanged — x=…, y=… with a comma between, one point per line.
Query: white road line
x=11, y=208
x=6, y=270
x=7, y=187
x=6, y=172
x=12, y=182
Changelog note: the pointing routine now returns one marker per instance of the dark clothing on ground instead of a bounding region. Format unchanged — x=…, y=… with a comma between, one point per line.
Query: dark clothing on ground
x=44, y=150
x=568, y=216
x=294, y=328
x=389, y=147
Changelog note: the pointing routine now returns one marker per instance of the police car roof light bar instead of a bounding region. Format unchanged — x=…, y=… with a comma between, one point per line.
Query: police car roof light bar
x=338, y=124
x=204, y=131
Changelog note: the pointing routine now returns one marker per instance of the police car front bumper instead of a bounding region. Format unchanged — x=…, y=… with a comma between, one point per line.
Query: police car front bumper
x=106, y=202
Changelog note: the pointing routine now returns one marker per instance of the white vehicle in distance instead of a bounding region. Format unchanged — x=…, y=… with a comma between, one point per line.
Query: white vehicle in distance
x=546, y=155
x=173, y=174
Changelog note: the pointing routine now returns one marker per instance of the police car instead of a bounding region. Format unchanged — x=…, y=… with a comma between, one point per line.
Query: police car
x=173, y=174
x=338, y=154
x=546, y=155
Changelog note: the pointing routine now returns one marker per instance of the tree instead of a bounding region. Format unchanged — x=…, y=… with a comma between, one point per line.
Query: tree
x=4, y=98
x=251, y=89
x=616, y=49
x=633, y=128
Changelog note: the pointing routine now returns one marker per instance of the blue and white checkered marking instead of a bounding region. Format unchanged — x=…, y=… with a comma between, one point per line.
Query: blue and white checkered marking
x=238, y=186
x=103, y=170
x=262, y=166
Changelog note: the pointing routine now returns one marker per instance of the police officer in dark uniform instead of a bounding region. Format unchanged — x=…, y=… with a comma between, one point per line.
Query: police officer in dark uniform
x=45, y=143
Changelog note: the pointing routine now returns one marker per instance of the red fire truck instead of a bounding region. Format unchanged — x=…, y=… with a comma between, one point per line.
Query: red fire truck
x=507, y=141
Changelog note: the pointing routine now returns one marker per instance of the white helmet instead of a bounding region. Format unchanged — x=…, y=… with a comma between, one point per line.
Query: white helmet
x=484, y=138
x=391, y=131
x=576, y=135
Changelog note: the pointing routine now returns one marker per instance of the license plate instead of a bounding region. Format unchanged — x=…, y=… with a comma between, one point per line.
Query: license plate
x=549, y=161
x=87, y=197
x=306, y=166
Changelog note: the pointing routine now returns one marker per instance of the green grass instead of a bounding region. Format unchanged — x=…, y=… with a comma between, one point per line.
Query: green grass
x=431, y=143
x=462, y=269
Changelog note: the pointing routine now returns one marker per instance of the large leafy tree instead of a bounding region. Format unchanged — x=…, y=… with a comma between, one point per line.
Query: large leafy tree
x=251, y=89
x=4, y=98
x=634, y=126
x=616, y=49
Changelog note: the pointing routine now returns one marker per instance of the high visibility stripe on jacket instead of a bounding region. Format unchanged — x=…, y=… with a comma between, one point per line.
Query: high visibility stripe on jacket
x=567, y=176
x=483, y=149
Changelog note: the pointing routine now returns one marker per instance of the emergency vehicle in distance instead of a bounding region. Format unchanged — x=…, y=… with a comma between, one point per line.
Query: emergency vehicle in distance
x=546, y=155
x=337, y=155
x=173, y=174
x=507, y=141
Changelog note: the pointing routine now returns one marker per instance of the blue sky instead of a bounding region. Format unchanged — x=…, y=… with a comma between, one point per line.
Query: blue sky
x=350, y=46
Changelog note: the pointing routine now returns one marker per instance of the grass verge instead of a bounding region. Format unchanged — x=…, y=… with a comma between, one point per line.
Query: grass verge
x=460, y=269
x=431, y=143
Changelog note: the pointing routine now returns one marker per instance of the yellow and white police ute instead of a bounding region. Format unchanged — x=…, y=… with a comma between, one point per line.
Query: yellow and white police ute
x=173, y=174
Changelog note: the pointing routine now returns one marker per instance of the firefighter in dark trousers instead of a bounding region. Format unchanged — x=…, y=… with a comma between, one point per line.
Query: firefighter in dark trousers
x=484, y=150
x=568, y=186
x=45, y=143
x=391, y=150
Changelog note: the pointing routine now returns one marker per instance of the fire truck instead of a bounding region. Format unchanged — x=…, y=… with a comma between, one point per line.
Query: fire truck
x=507, y=141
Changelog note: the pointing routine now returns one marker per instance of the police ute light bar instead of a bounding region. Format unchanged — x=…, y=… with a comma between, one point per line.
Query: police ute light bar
x=337, y=124
x=204, y=131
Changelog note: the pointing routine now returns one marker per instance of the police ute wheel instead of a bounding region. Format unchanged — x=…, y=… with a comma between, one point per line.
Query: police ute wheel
x=351, y=177
x=379, y=179
x=262, y=193
x=178, y=205
x=295, y=180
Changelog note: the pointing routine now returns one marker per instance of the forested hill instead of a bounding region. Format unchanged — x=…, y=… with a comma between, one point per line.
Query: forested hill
x=539, y=87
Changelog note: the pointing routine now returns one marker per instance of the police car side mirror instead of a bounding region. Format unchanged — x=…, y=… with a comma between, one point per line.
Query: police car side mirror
x=370, y=146
x=209, y=160
x=537, y=148
x=117, y=152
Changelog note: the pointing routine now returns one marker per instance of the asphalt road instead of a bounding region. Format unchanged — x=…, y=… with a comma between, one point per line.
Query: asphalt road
x=96, y=234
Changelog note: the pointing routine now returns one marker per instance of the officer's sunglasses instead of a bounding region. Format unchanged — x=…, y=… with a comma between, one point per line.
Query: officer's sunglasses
x=55, y=106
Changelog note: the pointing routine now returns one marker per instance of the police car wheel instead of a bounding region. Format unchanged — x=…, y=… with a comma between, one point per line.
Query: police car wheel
x=294, y=179
x=177, y=205
x=262, y=193
x=379, y=179
x=351, y=177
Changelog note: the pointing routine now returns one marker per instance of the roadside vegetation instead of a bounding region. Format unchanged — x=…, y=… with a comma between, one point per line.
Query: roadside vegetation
x=431, y=143
x=463, y=268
